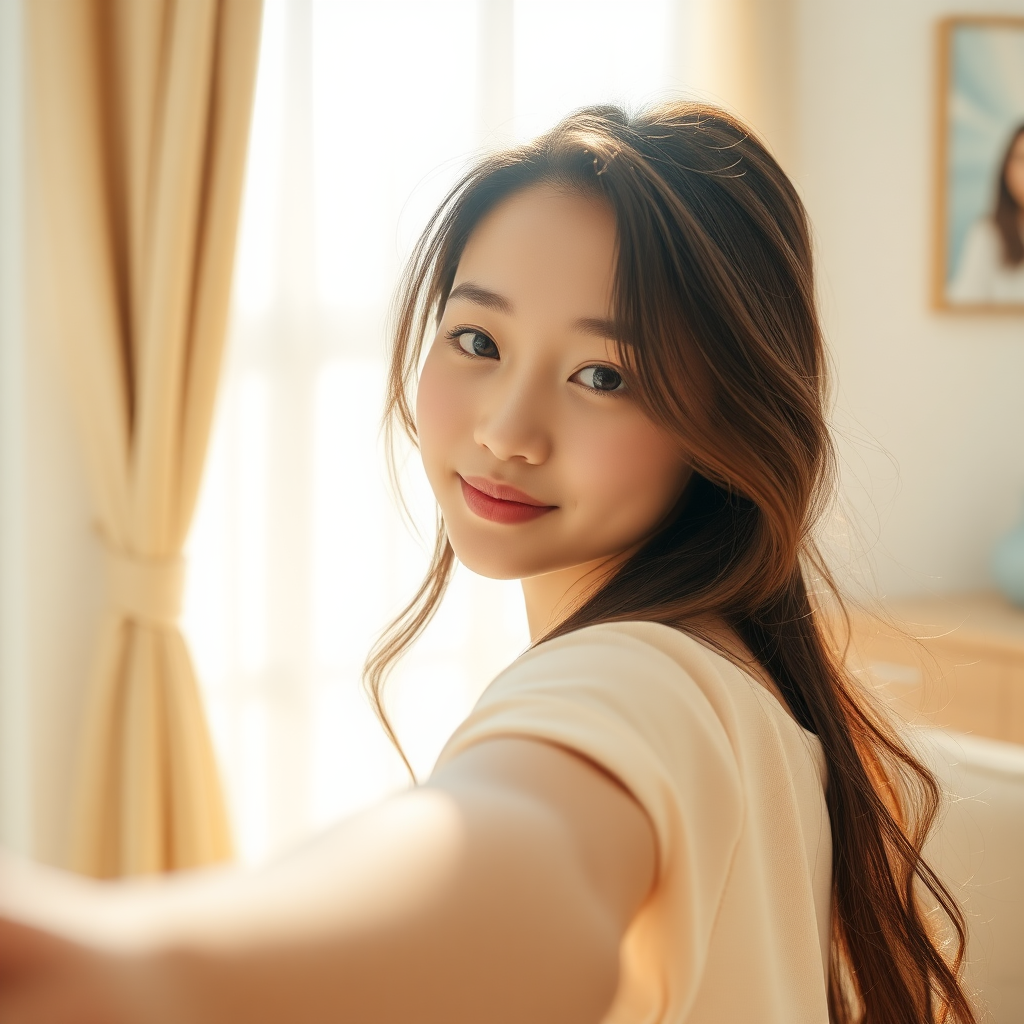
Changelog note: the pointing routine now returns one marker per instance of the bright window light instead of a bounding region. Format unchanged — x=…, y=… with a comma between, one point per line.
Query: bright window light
x=365, y=115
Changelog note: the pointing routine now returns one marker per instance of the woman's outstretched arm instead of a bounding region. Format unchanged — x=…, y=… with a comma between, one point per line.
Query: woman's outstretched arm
x=497, y=892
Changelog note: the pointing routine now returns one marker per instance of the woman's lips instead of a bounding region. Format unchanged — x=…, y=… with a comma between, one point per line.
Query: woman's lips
x=500, y=503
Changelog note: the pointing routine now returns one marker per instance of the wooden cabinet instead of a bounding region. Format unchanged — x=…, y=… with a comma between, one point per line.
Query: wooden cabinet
x=955, y=662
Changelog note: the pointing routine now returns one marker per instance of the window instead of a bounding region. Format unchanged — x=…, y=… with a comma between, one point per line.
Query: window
x=365, y=114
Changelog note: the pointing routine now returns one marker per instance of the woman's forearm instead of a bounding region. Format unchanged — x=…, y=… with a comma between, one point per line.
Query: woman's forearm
x=443, y=906
x=499, y=892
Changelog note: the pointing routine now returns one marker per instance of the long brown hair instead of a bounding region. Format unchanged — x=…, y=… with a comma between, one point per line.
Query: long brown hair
x=1008, y=211
x=715, y=297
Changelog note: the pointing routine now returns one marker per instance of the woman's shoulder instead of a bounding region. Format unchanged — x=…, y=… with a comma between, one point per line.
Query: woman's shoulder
x=618, y=695
x=644, y=657
x=635, y=657
x=660, y=682
x=640, y=678
x=641, y=689
x=680, y=725
x=652, y=641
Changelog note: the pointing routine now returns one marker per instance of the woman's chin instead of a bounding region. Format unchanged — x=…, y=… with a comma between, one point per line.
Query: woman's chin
x=494, y=558
x=490, y=566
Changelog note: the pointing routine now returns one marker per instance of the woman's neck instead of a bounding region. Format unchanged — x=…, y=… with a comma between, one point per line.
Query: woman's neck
x=553, y=596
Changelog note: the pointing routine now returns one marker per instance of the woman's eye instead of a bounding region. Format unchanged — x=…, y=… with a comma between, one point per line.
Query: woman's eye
x=601, y=378
x=476, y=344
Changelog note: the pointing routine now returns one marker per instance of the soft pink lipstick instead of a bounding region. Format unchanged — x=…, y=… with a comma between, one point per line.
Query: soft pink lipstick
x=500, y=503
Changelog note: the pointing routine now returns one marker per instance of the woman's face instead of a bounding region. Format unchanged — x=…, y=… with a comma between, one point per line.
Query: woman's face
x=1015, y=172
x=535, y=448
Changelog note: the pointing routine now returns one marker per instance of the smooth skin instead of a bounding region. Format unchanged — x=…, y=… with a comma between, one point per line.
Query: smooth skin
x=533, y=295
x=500, y=890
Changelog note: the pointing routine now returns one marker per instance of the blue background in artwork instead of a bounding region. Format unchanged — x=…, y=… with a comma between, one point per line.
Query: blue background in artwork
x=986, y=104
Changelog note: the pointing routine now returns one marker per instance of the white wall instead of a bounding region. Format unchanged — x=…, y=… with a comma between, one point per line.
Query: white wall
x=939, y=395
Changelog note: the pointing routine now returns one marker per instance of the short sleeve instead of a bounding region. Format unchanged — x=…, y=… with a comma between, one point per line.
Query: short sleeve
x=637, y=713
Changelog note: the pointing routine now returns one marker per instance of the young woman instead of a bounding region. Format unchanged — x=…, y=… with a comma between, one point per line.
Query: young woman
x=992, y=264
x=677, y=806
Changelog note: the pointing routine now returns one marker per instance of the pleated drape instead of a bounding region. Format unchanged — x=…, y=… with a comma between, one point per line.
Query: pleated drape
x=743, y=54
x=140, y=115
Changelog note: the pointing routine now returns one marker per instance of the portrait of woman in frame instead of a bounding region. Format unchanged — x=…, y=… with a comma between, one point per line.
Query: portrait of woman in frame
x=980, y=264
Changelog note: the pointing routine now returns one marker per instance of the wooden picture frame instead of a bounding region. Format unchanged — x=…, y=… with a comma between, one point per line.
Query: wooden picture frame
x=980, y=134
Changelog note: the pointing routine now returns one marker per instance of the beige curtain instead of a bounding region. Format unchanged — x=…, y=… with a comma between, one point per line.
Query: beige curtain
x=140, y=117
x=743, y=54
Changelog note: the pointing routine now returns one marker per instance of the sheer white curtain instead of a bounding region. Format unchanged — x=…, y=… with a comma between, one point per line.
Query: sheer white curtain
x=366, y=112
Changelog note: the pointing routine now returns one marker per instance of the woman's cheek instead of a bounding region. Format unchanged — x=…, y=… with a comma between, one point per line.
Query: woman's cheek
x=628, y=472
x=436, y=411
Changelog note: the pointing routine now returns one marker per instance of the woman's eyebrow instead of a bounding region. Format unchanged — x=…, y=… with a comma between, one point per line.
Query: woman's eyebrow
x=481, y=296
x=600, y=326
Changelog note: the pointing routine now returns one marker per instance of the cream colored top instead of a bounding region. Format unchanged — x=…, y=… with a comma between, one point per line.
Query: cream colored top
x=736, y=928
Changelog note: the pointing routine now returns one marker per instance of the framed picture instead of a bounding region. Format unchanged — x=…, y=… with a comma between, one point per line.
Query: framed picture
x=980, y=264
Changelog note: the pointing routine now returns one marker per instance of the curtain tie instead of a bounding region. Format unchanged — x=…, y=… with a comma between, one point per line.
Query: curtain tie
x=146, y=589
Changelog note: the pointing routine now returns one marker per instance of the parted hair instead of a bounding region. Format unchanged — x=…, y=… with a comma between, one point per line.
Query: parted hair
x=714, y=299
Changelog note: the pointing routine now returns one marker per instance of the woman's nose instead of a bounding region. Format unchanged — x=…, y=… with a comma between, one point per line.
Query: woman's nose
x=514, y=423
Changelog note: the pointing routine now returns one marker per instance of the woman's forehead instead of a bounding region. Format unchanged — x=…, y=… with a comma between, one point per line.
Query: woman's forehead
x=542, y=246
